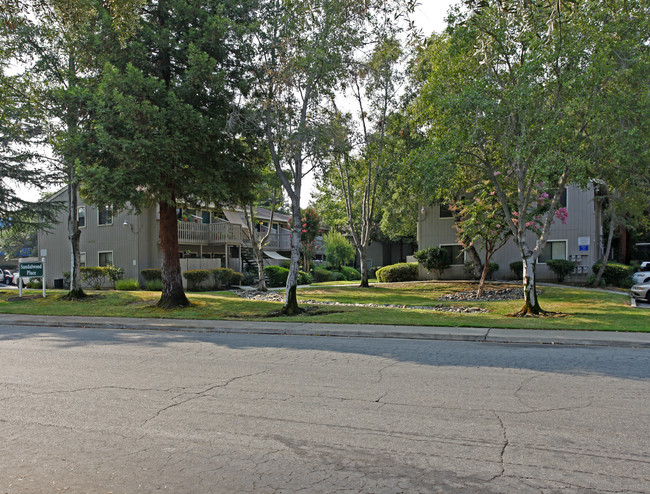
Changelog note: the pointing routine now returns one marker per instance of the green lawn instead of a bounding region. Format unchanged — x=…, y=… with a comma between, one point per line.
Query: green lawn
x=579, y=308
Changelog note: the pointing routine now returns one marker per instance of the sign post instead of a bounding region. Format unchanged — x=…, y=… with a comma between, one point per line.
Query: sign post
x=31, y=270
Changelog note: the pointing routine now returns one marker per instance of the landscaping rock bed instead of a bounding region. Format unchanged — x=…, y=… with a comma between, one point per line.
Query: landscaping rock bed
x=278, y=297
x=488, y=295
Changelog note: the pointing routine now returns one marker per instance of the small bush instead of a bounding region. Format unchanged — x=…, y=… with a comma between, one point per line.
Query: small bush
x=434, y=258
x=113, y=273
x=127, y=284
x=321, y=275
x=350, y=274
x=35, y=283
x=94, y=276
x=493, y=267
x=562, y=268
x=517, y=269
x=276, y=275
x=305, y=278
x=237, y=278
x=286, y=264
x=615, y=273
x=195, y=278
x=223, y=277
x=471, y=271
x=154, y=285
x=151, y=274
x=591, y=278
x=403, y=271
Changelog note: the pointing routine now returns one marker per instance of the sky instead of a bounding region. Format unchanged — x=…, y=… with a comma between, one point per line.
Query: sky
x=429, y=16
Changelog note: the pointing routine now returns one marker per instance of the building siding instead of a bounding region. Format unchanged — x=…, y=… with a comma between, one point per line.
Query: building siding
x=434, y=231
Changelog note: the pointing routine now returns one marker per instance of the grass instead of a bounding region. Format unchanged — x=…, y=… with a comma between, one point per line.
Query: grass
x=581, y=309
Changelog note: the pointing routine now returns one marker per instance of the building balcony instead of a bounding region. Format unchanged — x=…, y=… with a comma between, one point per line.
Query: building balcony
x=190, y=233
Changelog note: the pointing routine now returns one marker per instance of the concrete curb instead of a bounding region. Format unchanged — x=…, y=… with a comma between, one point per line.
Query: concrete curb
x=485, y=335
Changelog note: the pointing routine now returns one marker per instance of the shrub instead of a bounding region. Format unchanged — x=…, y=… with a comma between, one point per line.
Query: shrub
x=151, y=274
x=237, y=278
x=403, y=271
x=338, y=249
x=35, y=283
x=286, y=264
x=591, y=278
x=94, y=276
x=195, y=278
x=276, y=275
x=127, y=284
x=336, y=276
x=350, y=274
x=561, y=267
x=434, y=258
x=113, y=273
x=223, y=277
x=493, y=267
x=615, y=273
x=305, y=278
x=517, y=269
x=471, y=271
x=154, y=285
x=321, y=275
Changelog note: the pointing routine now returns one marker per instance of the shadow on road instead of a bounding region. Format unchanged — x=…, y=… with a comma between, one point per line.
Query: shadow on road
x=628, y=363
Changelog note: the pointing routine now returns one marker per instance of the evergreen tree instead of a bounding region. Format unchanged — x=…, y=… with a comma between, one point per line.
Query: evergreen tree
x=162, y=132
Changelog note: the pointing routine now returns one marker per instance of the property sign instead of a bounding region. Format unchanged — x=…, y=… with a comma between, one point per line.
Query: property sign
x=583, y=244
x=31, y=269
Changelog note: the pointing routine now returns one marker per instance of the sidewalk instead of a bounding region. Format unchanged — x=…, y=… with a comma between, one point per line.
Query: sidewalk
x=491, y=335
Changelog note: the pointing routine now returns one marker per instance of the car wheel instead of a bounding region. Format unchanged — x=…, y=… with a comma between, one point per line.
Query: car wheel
x=646, y=280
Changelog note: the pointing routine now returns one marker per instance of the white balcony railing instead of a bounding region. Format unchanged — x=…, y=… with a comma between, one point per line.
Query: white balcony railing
x=191, y=233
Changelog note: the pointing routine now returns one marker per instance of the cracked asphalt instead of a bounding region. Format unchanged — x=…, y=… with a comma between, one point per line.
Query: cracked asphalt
x=115, y=410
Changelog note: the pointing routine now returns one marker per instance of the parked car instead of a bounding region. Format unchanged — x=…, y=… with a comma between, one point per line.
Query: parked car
x=7, y=277
x=645, y=266
x=641, y=276
x=641, y=292
x=17, y=277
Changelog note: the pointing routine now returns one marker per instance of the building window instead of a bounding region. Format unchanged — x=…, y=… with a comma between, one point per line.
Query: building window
x=105, y=259
x=554, y=249
x=445, y=212
x=105, y=215
x=562, y=203
x=205, y=216
x=82, y=259
x=456, y=253
x=81, y=216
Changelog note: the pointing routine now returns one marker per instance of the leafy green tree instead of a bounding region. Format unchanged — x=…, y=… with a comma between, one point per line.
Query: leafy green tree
x=338, y=249
x=508, y=92
x=162, y=132
x=303, y=49
x=481, y=224
x=361, y=159
x=434, y=258
x=269, y=192
x=52, y=42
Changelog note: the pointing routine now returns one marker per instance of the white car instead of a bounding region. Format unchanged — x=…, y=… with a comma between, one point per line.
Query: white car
x=641, y=276
x=17, y=277
x=641, y=292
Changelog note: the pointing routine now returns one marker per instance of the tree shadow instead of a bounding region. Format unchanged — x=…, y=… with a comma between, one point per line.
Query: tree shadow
x=625, y=363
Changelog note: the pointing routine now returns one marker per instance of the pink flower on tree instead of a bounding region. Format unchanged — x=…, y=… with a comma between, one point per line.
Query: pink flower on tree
x=562, y=214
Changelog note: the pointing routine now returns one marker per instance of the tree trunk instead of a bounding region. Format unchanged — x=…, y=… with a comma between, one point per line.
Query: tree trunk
x=173, y=295
x=259, y=258
x=484, y=272
x=476, y=259
x=610, y=236
x=291, y=299
x=531, y=304
x=363, y=264
x=74, y=234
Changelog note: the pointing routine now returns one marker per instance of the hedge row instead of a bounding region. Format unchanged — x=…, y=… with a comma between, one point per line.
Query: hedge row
x=208, y=279
x=277, y=276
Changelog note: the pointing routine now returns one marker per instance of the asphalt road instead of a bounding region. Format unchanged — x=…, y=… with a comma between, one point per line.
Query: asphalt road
x=101, y=410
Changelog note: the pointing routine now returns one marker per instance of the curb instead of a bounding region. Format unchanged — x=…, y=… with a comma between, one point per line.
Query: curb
x=481, y=335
